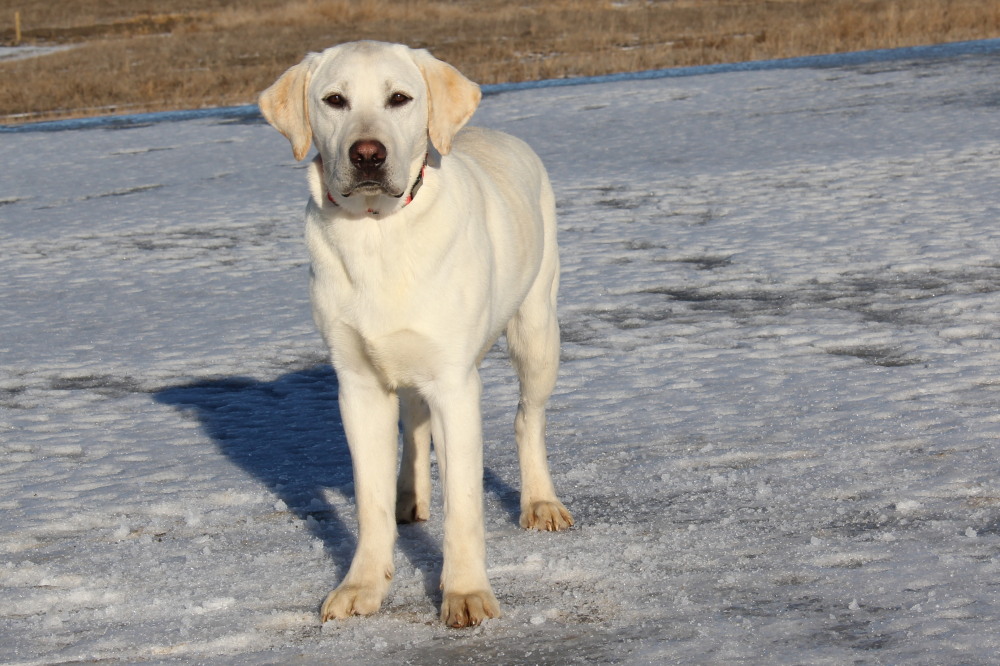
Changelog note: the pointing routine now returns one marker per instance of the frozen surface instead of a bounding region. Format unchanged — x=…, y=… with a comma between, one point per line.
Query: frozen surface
x=777, y=423
x=8, y=53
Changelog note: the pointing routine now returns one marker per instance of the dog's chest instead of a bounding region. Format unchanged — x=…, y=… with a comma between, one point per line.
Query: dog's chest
x=402, y=358
x=408, y=306
x=399, y=345
x=390, y=326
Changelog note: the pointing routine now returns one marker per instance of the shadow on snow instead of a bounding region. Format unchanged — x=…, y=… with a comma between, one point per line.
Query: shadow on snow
x=288, y=435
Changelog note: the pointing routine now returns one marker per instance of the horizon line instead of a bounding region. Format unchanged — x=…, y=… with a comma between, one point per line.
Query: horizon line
x=825, y=61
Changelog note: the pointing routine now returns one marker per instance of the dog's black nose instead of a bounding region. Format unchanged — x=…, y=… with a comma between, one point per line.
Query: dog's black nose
x=368, y=155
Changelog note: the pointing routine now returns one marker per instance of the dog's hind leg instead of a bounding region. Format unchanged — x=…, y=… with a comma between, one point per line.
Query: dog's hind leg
x=413, y=488
x=533, y=342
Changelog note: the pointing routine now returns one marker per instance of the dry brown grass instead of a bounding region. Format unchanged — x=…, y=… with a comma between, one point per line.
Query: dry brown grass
x=197, y=53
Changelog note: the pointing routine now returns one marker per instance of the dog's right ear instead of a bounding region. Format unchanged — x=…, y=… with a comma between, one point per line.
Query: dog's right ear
x=286, y=108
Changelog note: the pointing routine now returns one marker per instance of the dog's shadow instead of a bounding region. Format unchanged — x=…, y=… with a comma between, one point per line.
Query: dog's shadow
x=287, y=434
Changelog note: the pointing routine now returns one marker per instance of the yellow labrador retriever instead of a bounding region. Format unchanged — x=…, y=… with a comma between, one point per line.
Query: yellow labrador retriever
x=427, y=243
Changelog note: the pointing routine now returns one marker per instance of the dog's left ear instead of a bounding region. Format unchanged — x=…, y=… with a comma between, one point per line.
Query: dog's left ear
x=451, y=99
x=286, y=108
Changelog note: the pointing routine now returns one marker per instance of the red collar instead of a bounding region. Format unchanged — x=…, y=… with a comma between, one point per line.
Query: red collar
x=409, y=197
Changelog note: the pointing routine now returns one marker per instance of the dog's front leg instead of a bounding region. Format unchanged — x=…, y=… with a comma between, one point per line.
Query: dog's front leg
x=457, y=431
x=369, y=414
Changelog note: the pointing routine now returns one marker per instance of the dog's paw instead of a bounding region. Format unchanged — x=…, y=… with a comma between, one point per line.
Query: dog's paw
x=411, y=510
x=348, y=600
x=468, y=610
x=548, y=516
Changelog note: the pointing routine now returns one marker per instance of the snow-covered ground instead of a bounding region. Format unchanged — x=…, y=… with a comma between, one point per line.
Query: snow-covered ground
x=8, y=53
x=777, y=424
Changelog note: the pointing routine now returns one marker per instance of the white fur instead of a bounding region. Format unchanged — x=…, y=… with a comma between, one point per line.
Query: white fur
x=409, y=298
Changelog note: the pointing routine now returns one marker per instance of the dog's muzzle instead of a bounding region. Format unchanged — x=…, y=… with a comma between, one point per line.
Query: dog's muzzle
x=379, y=187
x=368, y=157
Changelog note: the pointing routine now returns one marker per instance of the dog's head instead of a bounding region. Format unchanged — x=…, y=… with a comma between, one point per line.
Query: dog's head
x=370, y=108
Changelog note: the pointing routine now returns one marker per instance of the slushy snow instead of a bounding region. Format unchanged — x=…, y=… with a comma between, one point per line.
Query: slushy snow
x=777, y=422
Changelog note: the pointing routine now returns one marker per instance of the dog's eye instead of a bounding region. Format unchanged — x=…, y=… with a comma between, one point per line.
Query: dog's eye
x=336, y=100
x=399, y=99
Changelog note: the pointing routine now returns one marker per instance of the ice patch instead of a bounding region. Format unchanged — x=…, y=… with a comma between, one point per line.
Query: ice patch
x=8, y=53
x=908, y=507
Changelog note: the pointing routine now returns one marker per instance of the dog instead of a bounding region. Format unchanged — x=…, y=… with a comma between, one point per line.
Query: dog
x=427, y=240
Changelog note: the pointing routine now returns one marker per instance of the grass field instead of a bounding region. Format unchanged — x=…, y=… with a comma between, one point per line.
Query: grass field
x=131, y=56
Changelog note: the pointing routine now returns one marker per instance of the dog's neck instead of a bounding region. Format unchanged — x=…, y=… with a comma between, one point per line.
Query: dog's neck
x=409, y=197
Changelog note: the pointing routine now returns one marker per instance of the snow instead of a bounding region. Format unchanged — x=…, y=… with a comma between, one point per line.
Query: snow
x=777, y=421
x=8, y=53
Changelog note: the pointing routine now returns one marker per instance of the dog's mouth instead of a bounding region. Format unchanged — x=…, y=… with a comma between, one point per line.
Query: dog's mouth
x=371, y=188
